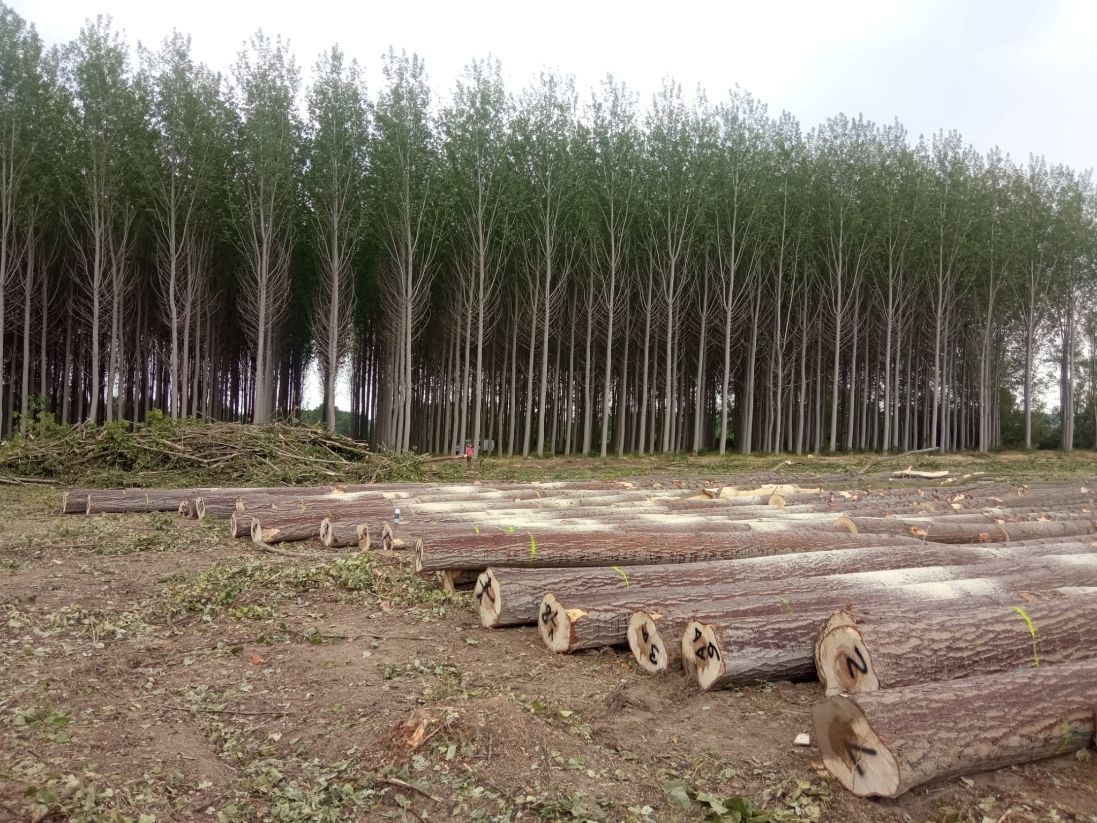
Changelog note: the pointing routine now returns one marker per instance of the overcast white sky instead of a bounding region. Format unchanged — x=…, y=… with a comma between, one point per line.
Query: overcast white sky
x=1018, y=74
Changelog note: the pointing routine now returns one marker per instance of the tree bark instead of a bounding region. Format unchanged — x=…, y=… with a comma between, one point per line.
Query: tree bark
x=734, y=652
x=941, y=530
x=339, y=533
x=902, y=646
x=884, y=743
x=625, y=546
x=507, y=597
x=586, y=619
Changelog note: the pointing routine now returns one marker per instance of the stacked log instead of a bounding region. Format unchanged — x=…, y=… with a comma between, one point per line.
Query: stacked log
x=658, y=639
x=75, y=501
x=586, y=620
x=509, y=597
x=902, y=646
x=634, y=547
x=884, y=743
x=126, y=501
x=730, y=652
x=942, y=530
x=337, y=534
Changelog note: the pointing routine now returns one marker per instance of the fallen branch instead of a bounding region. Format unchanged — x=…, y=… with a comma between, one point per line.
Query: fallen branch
x=883, y=457
x=910, y=471
x=401, y=784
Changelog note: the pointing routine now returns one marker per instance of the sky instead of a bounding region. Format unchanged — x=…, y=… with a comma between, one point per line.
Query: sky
x=1013, y=74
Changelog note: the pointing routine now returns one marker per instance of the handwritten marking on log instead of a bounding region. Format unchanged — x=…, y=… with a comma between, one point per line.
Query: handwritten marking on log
x=854, y=751
x=858, y=665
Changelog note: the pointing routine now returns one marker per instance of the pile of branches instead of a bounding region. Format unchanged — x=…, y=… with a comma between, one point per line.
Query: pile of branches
x=205, y=454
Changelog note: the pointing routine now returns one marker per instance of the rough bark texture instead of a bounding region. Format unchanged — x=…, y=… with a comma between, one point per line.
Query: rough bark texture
x=746, y=658
x=240, y=525
x=546, y=549
x=337, y=534
x=886, y=742
x=506, y=596
x=582, y=620
x=75, y=501
x=944, y=530
x=908, y=645
x=741, y=651
x=285, y=528
x=580, y=628
x=656, y=636
x=115, y=501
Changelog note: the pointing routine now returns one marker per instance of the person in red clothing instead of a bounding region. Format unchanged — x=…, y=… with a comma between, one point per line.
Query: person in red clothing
x=470, y=452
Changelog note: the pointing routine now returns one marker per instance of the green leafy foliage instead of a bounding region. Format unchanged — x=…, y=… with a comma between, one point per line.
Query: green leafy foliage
x=246, y=591
x=801, y=804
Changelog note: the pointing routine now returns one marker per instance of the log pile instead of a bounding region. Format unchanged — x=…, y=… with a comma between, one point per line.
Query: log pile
x=920, y=610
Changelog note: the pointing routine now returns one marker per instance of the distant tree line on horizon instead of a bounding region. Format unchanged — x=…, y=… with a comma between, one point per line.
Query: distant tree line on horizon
x=552, y=271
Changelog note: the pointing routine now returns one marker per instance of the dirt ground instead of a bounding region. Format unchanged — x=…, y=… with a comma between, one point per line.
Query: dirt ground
x=152, y=669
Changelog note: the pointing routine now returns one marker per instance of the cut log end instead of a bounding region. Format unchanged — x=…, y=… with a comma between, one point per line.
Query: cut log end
x=647, y=646
x=852, y=751
x=386, y=537
x=327, y=533
x=845, y=616
x=845, y=524
x=200, y=508
x=701, y=653
x=489, y=598
x=844, y=662
x=419, y=555
x=554, y=624
x=184, y=508
x=363, y=537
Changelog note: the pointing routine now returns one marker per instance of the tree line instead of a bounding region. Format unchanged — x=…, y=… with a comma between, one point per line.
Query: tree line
x=548, y=270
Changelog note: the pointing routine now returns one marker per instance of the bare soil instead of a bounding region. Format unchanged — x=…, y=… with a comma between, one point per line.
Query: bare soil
x=151, y=668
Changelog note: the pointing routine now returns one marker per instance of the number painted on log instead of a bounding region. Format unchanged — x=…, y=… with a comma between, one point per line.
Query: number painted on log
x=854, y=751
x=859, y=664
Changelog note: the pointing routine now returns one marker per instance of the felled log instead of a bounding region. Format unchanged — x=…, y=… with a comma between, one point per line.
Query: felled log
x=734, y=492
x=286, y=529
x=941, y=530
x=720, y=504
x=136, y=500
x=724, y=653
x=507, y=596
x=657, y=635
x=910, y=471
x=75, y=501
x=336, y=534
x=883, y=743
x=580, y=619
x=302, y=522
x=902, y=646
x=121, y=501
x=546, y=549
x=239, y=525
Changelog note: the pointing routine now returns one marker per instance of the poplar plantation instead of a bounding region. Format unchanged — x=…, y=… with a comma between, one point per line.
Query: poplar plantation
x=550, y=269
